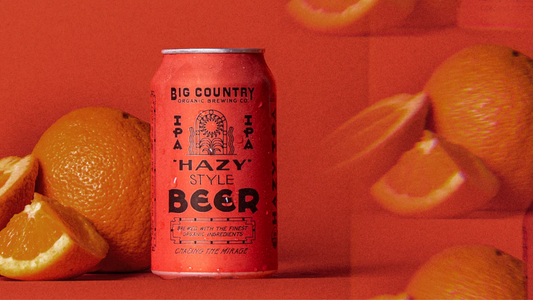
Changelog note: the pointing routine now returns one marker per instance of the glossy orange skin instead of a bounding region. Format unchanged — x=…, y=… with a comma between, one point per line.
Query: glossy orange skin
x=97, y=160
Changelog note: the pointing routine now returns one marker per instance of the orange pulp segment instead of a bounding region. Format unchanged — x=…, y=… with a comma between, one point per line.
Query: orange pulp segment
x=48, y=241
x=17, y=183
x=436, y=179
x=371, y=142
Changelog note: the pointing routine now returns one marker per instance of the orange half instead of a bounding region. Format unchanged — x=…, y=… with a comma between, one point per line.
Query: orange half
x=371, y=142
x=350, y=17
x=436, y=179
x=48, y=241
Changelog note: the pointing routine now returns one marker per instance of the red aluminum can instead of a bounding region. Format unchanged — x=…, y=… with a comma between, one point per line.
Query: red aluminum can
x=214, y=174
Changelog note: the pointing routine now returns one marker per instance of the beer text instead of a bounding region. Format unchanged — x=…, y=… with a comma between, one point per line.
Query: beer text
x=223, y=201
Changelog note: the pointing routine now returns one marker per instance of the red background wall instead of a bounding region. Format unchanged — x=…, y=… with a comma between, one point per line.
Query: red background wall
x=56, y=56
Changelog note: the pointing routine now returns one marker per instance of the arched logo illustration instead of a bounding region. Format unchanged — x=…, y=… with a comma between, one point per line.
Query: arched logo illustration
x=211, y=134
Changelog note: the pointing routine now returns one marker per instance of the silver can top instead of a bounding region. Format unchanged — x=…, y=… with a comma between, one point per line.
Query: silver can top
x=213, y=50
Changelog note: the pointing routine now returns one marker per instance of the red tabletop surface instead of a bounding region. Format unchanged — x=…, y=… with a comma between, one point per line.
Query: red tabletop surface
x=56, y=56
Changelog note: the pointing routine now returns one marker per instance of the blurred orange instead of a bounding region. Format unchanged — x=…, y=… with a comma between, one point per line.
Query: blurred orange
x=482, y=99
x=469, y=272
x=351, y=17
x=436, y=179
x=371, y=142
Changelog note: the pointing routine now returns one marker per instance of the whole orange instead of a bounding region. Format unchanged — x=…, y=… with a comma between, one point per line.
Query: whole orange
x=482, y=99
x=97, y=161
x=469, y=272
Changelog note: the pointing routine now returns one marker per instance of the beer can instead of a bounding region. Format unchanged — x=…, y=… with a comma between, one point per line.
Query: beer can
x=214, y=168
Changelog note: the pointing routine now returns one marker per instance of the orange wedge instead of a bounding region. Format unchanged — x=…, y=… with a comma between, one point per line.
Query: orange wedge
x=371, y=142
x=48, y=241
x=17, y=183
x=436, y=179
x=350, y=17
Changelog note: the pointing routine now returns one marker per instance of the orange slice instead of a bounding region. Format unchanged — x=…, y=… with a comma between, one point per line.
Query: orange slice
x=352, y=17
x=436, y=179
x=17, y=183
x=371, y=142
x=48, y=241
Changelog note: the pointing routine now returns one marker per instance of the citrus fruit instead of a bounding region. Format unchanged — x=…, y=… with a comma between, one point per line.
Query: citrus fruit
x=436, y=179
x=48, y=241
x=97, y=161
x=482, y=99
x=17, y=183
x=371, y=142
x=351, y=17
x=469, y=272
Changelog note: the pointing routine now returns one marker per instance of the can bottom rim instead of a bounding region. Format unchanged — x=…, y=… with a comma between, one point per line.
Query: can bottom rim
x=174, y=275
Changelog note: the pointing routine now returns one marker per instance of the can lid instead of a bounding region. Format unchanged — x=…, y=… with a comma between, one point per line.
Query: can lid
x=213, y=50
